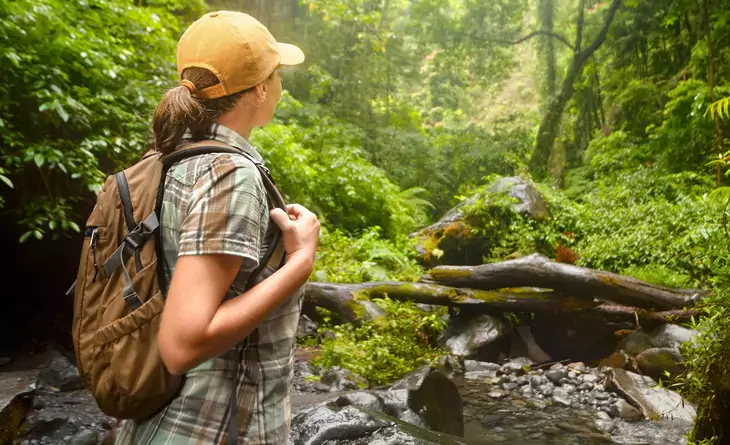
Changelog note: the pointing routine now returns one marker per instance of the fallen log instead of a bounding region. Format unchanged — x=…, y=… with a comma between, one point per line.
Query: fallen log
x=538, y=271
x=352, y=302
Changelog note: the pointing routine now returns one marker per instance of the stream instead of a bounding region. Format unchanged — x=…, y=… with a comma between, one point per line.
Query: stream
x=505, y=406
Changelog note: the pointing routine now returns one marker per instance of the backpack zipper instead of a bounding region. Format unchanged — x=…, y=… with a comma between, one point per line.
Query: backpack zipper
x=92, y=243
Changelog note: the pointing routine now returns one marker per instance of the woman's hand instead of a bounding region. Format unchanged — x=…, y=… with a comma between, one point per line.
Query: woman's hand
x=300, y=232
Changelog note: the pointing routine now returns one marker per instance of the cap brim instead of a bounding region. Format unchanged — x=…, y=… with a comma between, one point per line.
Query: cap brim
x=290, y=54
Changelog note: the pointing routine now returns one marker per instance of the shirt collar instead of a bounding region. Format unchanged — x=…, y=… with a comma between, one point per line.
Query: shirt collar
x=221, y=133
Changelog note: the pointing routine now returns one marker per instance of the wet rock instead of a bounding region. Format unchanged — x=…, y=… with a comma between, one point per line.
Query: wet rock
x=322, y=424
x=473, y=365
x=480, y=375
x=577, y=367
x=472, y=336
x=340, y=379
x=623, y=410
x=84, y=437
x=60, y=374
x=655, y=402
x=516, y=366
x=670, y=336
x=635, y=343
x=306, y=327
x=556, y=375
x=562, y=397
x=537, y=380
x=435, y=398
x=16, y=401
x=498, y=394
x=655, y=362
x=589, y=378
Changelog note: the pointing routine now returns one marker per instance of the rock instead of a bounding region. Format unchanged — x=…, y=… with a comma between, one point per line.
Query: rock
x=480, y=375
x=578, y=367
x=635, y=343
x=469, y=336
x=569, y=389
x=473, y=365
x=510, y=386
x=529, y=201
x=655, y=362
x=655, y=402
x=306, y=327
x=561, y=397
x=623, y=410
x=450, y=365
x=537, y=380
x=321, y=424
x=670, y=336
x=84, y=437
x=4, y=361
x=451, y=235
x=516, y=366
x=546, y=390
x=498, y=394
x=60, y=374
x=435, y=398
x=16, y=401
x=340, y=379
x=556, y=375
x=589, y=378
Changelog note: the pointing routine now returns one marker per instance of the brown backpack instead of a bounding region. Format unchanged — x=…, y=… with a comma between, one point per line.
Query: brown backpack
x=120, y=287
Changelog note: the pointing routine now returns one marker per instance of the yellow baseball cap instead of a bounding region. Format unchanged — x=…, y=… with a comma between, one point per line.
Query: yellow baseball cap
x=235, y=47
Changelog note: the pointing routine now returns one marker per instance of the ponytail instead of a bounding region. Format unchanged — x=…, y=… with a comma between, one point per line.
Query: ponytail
x=177, y=112
x=180, y=111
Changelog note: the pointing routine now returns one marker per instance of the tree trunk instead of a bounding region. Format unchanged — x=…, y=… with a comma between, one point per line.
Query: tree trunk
x=547, y=10
x=550, y=123
x=538, y=271
x=719, y=137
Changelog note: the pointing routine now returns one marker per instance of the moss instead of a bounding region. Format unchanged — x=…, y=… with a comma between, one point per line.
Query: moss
x=447, y=273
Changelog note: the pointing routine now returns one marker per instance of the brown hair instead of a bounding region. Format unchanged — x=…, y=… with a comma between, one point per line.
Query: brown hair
x=179, y=110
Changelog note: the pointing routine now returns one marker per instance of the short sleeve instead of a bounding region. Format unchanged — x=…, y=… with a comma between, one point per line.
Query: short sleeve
x=224, y=212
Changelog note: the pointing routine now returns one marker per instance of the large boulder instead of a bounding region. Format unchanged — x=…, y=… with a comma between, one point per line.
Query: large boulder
x=475, y=337
x=656, y=362
x=16, y=400
x=670, y=336
x=654, y=401
x=422, y=402
x=451, y=239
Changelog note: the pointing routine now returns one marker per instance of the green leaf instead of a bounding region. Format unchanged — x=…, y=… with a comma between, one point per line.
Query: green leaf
x=38, y=234
x=74, y=226
x=7, y=181
x=52, y=224
x=39, y=160
x=24, y=237
x=62, y=113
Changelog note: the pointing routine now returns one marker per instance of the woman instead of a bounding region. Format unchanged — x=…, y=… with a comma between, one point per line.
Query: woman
x=215, y=228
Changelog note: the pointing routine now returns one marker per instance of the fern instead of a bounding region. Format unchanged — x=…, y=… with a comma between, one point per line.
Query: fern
x=720, y=108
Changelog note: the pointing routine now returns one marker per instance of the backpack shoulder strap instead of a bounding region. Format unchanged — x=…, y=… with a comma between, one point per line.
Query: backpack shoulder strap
x=275, y=255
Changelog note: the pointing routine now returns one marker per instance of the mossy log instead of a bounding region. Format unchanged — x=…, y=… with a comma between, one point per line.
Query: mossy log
x=352, y=302
x=539, y=271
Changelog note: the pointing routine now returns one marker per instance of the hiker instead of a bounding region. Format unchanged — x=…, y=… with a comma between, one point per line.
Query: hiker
x=215, y=226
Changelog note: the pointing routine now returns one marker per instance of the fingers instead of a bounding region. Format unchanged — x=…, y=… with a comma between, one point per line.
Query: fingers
x=280, y=218
x=296, y=210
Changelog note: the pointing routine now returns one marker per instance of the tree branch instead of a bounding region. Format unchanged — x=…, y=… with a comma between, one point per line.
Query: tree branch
x=601, y=37
x=554, y=35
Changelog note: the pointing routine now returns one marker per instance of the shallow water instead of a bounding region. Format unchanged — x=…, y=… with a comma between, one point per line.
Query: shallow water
x=516, y=419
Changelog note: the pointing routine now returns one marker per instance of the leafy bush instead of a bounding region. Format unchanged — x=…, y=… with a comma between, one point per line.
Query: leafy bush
x=367, y=257
x=80, y=79
x=385, y=349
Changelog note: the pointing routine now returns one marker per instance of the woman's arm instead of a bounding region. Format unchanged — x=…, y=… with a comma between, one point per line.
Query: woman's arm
x=197, y=326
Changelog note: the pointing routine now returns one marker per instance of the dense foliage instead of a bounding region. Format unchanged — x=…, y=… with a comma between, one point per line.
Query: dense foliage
x=403, y=108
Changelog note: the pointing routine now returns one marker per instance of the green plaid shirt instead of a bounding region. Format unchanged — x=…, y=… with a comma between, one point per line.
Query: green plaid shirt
x=216, y=204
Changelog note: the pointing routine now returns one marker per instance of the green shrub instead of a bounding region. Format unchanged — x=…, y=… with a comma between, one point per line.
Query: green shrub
x=385, y=349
